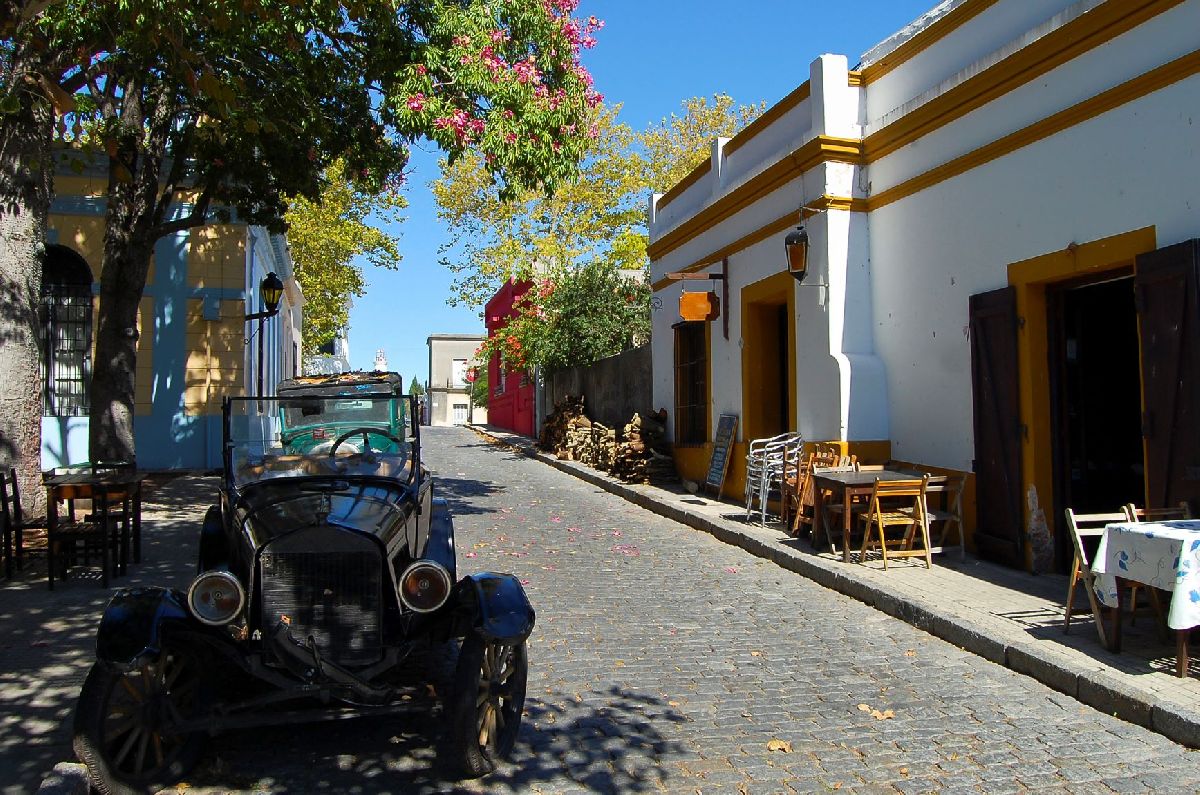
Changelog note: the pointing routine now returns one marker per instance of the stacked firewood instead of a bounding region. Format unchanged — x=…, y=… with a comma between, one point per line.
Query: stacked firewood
x=639, y=454
x=566, y=419
x=643, y=455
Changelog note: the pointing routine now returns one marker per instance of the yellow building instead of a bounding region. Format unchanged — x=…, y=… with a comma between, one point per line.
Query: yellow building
x=194, y=345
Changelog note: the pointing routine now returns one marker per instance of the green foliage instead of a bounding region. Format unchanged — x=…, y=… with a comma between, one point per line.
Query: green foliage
x=585, y=314
x=415, y=388
x=479, y=388
x=326, y=237
x=577, y=243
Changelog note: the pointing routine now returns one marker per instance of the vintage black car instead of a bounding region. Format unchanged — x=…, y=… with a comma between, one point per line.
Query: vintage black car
x=326, y=569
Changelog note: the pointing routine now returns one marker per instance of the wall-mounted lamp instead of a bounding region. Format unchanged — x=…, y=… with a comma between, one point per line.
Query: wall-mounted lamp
x=796, y=246
x=271, y=290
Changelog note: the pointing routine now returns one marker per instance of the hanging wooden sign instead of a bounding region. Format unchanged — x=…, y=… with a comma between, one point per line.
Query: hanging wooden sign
x=699, y=306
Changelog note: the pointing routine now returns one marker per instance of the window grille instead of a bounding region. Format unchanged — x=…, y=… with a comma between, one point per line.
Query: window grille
x=66, y=315
x=691, y=383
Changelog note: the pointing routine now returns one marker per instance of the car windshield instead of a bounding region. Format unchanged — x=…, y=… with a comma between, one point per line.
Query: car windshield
x=315, y=436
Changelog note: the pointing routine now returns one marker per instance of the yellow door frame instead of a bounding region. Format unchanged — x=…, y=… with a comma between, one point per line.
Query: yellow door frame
x=1031, y=278
x=777, y=289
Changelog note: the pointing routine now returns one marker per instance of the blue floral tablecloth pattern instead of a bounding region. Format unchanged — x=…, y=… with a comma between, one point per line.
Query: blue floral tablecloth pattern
x=1164, y=555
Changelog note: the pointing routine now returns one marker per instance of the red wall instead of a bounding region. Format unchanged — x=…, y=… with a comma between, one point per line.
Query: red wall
x=513, y=408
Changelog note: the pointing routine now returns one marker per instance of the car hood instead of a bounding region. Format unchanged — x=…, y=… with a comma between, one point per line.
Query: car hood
x=273, y=508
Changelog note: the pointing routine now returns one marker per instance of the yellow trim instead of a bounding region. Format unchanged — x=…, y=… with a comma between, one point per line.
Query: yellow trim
x=780, y=224
x=821, y=149
x=1082, y=34
x=769, y=117
x=1031, y=277
x=854, y=79
x=777, y=289
x=1138, y=87
x=926, y=38
x=692, y=178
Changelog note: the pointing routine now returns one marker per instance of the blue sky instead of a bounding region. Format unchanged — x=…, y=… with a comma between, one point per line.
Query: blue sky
x=651, y=56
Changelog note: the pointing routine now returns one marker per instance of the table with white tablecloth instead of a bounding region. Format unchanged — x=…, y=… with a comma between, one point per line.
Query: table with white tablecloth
x=1163, y=555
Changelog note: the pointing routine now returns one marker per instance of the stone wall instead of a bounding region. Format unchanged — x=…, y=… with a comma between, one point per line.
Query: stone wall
x=614, y=388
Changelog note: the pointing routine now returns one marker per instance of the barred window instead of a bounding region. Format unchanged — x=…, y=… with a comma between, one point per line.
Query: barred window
x=691, y=383
x=66, y=320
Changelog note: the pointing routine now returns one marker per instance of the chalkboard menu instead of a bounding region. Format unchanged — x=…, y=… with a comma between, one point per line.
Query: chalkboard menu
x=726, y=433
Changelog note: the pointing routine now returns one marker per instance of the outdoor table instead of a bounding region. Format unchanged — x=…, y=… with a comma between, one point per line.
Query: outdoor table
x=1163, y=555
x=849, y=485
x=97, y=486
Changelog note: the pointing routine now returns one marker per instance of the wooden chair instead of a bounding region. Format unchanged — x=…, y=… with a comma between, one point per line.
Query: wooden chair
x=897, y=503
x=949, y=514
x=1082, y=526
x=800, y=492
x=21, y=532
x=1136, y=514
x=832, y=512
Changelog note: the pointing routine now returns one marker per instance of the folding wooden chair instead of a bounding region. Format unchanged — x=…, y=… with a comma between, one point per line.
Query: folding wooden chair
x=948, y=516
x=801, y=495
x=897, y=503
x=1085, y=526
x=1136, y=514
x=20, y=531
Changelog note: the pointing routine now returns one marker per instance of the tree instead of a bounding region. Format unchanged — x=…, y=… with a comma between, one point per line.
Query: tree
x=479, y=388
x=591, y=312
x=235, y=104
x=326, y=236
x=579, y=244
x=415, y=388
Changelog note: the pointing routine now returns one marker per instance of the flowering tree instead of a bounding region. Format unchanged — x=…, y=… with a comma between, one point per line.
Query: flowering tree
x=237, y=104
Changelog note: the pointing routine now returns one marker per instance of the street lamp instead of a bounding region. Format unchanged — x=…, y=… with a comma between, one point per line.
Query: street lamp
x=271, y=290
x=796, y=245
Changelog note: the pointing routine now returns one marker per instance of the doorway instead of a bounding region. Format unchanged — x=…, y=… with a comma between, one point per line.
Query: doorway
x=1097, y=404
x=768, y=351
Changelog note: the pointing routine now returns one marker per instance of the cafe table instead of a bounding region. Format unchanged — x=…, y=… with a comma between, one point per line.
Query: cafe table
x=1163, y=555
x=100, y=487
x=846, y=485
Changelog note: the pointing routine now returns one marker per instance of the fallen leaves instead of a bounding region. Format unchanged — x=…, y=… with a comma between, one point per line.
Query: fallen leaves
x=886, y=714
x=779, y=745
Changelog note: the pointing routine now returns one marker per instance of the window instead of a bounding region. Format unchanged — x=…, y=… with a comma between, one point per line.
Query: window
x=458, y=373
x=691, y=383
x=66, y=320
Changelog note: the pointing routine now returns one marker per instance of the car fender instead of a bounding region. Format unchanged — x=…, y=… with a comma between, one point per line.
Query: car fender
x=440, y=544
x=134, y=622
x=214, y=549
x=501, y=610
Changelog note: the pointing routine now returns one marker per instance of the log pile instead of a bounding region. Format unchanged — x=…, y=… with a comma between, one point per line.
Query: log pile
x=639, y=454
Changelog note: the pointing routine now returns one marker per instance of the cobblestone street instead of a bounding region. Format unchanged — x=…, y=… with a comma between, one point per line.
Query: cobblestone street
x=663, y=660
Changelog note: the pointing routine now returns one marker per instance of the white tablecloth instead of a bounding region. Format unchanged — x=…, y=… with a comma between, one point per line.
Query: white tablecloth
x=1164, y=555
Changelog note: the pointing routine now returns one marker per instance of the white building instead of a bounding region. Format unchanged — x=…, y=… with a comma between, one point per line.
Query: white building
x=449, y=396
x=982, y=196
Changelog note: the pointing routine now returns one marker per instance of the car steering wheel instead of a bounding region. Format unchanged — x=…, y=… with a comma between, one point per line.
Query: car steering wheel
x=366, y=434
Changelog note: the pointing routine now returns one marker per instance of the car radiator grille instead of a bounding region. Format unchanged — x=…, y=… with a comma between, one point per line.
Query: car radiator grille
x=325, y=585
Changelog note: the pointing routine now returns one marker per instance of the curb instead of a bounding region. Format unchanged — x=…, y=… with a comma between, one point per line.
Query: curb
x=1095, y=688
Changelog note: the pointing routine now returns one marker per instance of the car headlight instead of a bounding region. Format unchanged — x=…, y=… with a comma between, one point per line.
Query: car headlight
x=424, y=586
x=216, y=597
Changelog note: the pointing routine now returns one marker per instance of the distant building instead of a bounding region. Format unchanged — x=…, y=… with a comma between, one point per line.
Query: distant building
x=449, y=398
x=380, y=361
x=331, y=358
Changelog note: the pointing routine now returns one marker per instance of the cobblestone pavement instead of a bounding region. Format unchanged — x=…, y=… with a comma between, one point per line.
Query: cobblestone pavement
x=664, y=660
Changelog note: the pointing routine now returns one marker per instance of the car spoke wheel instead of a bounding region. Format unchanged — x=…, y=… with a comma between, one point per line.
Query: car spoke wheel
x=489, y=697
x=125, y=723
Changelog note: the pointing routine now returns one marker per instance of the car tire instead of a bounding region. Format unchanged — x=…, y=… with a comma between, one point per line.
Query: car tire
x=489, y=697
x=119, y=731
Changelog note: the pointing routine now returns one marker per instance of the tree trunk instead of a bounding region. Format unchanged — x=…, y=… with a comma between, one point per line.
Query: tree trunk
x=131, y=226
x=26, y=177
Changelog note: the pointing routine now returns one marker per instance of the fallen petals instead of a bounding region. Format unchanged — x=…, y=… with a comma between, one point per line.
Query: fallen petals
x=471, y=555
x=627, y=549
x=779, y=745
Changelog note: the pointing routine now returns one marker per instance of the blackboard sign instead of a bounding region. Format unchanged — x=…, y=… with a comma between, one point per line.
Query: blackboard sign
x=726, y=433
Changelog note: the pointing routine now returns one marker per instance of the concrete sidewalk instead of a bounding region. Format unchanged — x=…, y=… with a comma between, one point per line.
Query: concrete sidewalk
x=1010, y=617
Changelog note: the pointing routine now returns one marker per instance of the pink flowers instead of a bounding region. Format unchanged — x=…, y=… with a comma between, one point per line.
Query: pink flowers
x=416, y=103
x=526, y=71
x=465, y=126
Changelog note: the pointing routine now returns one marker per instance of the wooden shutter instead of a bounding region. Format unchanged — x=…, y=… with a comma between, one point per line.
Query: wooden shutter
x=1169, y=329
x=996, y=401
